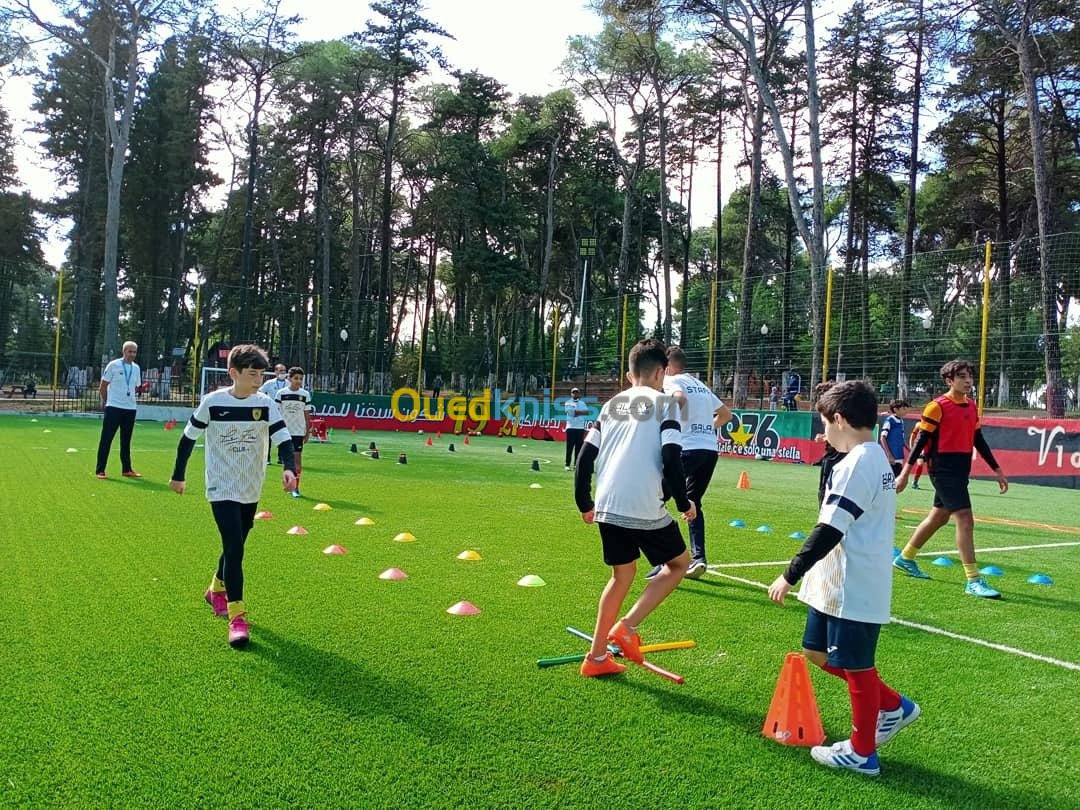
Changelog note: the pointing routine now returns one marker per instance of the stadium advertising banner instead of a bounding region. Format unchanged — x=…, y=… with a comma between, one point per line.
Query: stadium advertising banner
x=488, y=414
x=772, y=436
x=1031, y=451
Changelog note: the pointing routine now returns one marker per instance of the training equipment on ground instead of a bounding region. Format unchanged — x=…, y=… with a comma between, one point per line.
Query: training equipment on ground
x=764, y=529
x=297, y=530
x=509, y=448
x=335, y=549
x=531, y=581
x=535, y=486
x=991, y=571
x=463, y=608
x=469, y=554
x=375, y=455
x=663, y=673
x=645, y=648
x=264, y=515
x=1040, y=579
x=797, y=536
x=371, y=446
x=466, y=438
x=402, y=459
x=943, y=562
x=535, y=465
x=352, y=448
x=793, y=717
x=451, y=447
x=364, y=521
x=428, y=442
x=322, y=507
x=744, y=481
x=737, y=524
x=393, y=574
x=405, y=537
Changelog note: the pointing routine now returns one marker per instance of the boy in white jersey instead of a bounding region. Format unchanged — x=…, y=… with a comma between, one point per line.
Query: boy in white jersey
x=238, y=420
x=702, y=414
x=635, y=444
x=294, y=402
x=846, y=561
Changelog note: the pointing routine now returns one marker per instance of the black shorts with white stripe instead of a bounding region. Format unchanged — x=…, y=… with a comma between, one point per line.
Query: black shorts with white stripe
x=622, y=545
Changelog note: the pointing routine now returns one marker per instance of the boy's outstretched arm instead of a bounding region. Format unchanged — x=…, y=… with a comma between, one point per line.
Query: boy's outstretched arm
x=821, y=541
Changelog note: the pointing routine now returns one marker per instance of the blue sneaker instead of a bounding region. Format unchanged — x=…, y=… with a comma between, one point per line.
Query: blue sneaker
x=890, y=723
x=842, y=755
x=656, y=569
x=978, y=587
x=909, y=567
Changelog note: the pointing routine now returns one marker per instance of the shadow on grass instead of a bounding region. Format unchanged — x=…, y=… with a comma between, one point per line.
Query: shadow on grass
x=904, y=779
x=676, y=700
x=349, y=687
x=724, y=589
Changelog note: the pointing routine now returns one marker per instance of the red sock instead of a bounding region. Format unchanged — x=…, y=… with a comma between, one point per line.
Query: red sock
x=839, y=673
x=889, y=697
x=865, y=702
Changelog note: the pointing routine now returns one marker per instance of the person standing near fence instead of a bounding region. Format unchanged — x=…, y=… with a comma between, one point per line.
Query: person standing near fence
x=576, y=415
x=271, y=387
x=119, y=381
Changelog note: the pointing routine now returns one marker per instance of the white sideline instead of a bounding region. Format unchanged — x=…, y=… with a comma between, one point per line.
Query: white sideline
x=920, y=554
x=930, y=629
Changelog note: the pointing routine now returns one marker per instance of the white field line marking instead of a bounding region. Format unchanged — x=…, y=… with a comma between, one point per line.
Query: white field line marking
x=981, y=550
x=921, y=554
x=936, y=630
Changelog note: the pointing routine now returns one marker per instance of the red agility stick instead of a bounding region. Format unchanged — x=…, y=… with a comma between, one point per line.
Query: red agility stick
x=663, y=673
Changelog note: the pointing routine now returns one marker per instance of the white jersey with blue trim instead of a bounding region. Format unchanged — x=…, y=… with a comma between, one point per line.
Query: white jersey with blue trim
x=702, y=404
x=237, y=431
x=854, y=580
x=629, y=435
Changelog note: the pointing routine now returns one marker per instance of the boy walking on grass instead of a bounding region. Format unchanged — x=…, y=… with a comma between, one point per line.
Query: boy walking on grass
x=635, y=445
x=948, y=432
x=238, y=421
x=294, y=402
x=847, y=586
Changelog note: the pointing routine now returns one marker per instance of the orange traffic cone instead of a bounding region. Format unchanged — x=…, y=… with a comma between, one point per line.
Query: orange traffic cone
x=793, y=717
x=429, y=441
x=744, y=481
x=438, y=435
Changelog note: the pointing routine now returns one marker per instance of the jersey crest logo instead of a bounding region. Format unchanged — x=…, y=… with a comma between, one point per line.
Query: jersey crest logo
x=255, y=414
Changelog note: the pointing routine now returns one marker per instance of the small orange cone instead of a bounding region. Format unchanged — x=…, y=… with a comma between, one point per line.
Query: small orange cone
x=793, y=717
x=744, y=481
x=466, y=438
x=429, y=441
x=438, y=435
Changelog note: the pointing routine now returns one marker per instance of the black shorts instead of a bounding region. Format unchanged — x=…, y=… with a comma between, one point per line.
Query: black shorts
x=950, y=491
x=847, y=644
x=622, y=546
x=896, y=467
x=298, y=444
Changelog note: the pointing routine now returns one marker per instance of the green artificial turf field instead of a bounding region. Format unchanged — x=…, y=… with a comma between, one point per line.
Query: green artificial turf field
x=117, y=687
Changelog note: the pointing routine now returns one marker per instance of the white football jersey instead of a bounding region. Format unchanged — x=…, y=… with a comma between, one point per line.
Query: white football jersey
x=854, y=580
x=123, y=379
x=293, y=405
x=237, y=431
x=632, y=429
x=698, y=432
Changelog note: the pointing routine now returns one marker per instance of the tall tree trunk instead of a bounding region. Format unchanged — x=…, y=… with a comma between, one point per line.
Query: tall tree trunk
x=909, y=224
x=743, y=353
x=1003, y=250
x=1055, y=392
x=665, y=237
x=249, y=212
x=383, y=313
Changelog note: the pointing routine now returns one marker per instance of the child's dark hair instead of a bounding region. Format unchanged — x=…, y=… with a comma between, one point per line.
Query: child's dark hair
x=897, y=404
x=854, y=400
x=646, y=356
x=676, y=355
x=822, y=387
x=248, y=355
x=296, y=370
x=954, y=367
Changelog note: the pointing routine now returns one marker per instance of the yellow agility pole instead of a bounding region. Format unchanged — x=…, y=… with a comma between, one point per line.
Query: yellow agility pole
x=712, y=333
x=56, y=349
x=622, y=342
x=985, y=326
x=828, y=319
x=554, y=351
x=195, y=350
